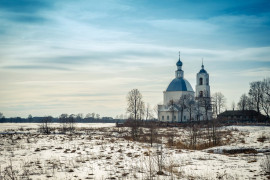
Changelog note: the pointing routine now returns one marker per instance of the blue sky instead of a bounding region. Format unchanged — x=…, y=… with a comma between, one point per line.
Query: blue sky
x=84, y=56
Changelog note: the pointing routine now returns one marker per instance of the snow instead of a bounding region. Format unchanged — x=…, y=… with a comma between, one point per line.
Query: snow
x=103, y=153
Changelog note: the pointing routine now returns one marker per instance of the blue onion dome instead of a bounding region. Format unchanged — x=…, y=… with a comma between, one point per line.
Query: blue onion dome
x=179, y=63
x=179, y=84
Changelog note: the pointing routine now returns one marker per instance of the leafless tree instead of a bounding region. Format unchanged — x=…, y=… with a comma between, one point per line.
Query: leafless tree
x=79, y=116
x=141, y=110
x=182, y=106
x=134, y=100
x=190, y=105
x=88, y=115
x=205, y=104
x=172, y=105
x=193, y=134
x=266, y=83
x=160, y=157
x=45, y=124
x=265, y=98
x=243, y=102
x=219, y=101
x=152, y=132
x=134, y=108
x=256, y=93
x=93, y=115
x=63, y=118
x=155, y=111
x=71, y=122
x=148, y=112
x=197, y=111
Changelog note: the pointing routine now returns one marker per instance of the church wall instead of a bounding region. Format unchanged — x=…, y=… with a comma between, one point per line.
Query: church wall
x=174, y=95
x=163, y=116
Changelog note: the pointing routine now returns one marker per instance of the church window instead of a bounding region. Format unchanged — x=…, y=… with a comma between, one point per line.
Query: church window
x=201, y=81
x=201, y=94
x=162, y=117
x=168, y=117
x=174, y=117
x=207, y=81
x=184, y=117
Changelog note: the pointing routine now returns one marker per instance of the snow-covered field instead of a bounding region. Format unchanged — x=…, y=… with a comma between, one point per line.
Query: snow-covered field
x=6, y=126
x=102, y=152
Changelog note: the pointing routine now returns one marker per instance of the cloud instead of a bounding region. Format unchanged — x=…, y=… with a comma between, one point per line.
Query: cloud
x=26, y=6
x=34, y=67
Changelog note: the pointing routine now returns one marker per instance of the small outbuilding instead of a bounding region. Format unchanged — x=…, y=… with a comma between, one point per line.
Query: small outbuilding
x=242, y=116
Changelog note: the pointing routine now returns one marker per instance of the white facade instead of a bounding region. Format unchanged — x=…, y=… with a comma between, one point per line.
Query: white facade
x=173, y=108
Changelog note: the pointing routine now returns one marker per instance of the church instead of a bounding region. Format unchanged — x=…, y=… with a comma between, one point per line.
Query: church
x=181, y=103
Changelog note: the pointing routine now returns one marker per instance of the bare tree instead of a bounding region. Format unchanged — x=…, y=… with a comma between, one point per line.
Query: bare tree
x=265, y=99
x=155, y=109
x=93, y=115
x=205, y=104
x=152, y=132
x=135, y=105
x=194, y=130
x=219, y=101
x=190, y=105
x=172, y=106
x=63, y=118
x=148, y=112
x=256, y=93
x=243, y=102
x=79, y=117
x=182, y=106
x=71, y=122
x=197, y=111
x=88, y=115
x=141, y=110
x=44, y=128
x=134, y=99
x=266, y=83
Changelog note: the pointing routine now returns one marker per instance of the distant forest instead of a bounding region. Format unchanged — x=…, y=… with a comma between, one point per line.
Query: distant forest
x=57, y=120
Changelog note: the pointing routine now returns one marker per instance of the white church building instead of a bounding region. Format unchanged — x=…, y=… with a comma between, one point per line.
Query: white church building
x=181, y=103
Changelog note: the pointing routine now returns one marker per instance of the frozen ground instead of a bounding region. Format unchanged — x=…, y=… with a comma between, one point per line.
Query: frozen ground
x=104, y=153
x=7, y=126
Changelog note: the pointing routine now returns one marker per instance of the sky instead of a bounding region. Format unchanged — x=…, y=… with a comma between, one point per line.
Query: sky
x=85, y=56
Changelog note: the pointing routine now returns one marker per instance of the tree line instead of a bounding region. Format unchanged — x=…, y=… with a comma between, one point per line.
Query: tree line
x=78, y=118
x=257, y=98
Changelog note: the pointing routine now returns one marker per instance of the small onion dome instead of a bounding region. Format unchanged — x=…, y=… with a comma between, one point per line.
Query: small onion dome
x=179, y=63
x=203, y=70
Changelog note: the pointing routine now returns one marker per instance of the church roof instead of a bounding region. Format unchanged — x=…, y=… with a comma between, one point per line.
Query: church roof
x=202, y=70
x=179, y=84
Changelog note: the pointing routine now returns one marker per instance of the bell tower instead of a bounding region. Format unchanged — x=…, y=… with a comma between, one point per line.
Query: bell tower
x=202, y=85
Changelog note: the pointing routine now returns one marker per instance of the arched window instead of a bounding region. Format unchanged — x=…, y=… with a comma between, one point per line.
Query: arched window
x=201, y=94
x=207, y=81
x=201, y=81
